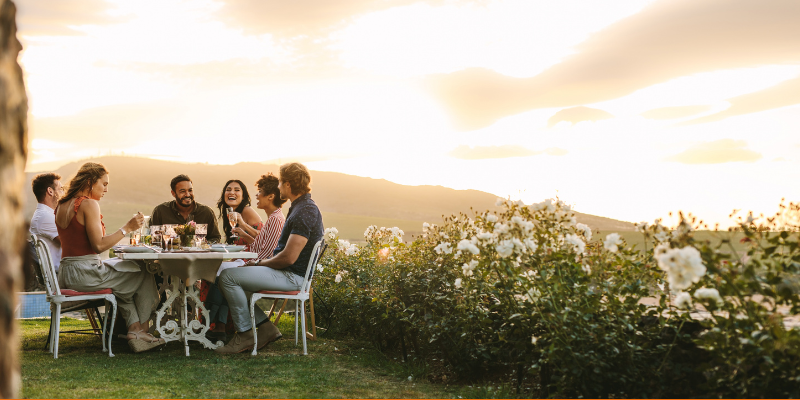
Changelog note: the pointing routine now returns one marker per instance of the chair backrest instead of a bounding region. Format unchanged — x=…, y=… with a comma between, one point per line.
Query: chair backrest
x=46, y=267
x=316, y=254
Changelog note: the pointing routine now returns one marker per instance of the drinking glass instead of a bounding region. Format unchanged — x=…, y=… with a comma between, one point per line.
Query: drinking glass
x=233, y=216
x=155, y=234
x=200, y=231
x=136, y=235
x=168, y=235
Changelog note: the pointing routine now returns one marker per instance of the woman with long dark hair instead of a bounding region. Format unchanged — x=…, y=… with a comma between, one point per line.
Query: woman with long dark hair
x=83, y=237
x=235, y=195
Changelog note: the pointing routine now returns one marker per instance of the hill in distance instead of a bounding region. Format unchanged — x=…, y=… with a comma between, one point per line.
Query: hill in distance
x=349, y=203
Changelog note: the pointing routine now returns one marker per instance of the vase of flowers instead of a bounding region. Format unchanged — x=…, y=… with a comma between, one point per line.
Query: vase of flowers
x=186, y=233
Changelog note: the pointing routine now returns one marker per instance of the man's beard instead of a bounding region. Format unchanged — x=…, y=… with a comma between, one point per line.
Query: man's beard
x=190, y=198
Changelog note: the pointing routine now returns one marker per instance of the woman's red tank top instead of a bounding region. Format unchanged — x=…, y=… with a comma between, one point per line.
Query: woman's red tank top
x=74, y=239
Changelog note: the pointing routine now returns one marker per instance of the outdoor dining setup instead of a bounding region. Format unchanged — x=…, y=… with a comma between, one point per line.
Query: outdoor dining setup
x=181, y=267
x=173, y=281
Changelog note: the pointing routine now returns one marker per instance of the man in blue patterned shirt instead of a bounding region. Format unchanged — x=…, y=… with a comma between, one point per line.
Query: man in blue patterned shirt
x=285, y=271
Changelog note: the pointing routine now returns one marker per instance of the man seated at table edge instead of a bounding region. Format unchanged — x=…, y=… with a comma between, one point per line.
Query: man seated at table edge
x=183, y=209
x=285, y=271
x=48, y=190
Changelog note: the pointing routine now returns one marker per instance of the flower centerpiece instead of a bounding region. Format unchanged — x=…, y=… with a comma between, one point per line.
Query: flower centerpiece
x=186, y=233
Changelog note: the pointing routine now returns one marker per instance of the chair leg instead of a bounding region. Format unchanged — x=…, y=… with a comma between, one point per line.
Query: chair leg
x=303, y=316
x=57, y=330
x=278, y=317
x=53, y=316
x=295, y=323
x=103, y=332
x=92, y=321
x=253, y=321
x=311, y=307
x=111, y=327
x=271, y=309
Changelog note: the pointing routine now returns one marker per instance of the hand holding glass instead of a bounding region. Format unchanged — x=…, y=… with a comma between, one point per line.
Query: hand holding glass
x=233, y=218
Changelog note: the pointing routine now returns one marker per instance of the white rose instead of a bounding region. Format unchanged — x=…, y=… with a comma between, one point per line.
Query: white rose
x=611, y=242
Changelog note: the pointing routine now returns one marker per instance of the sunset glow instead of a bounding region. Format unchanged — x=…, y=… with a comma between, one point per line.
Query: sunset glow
x=457, y=93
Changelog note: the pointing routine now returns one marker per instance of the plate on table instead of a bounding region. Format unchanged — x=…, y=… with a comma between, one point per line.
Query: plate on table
x=136, y=249
x=230, y=248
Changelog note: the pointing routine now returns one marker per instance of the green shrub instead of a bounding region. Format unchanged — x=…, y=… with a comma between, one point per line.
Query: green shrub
x=527, y=291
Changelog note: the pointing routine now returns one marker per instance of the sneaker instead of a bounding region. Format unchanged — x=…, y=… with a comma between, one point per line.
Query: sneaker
x=267, y=333
x=215, y=337
x=242, y=341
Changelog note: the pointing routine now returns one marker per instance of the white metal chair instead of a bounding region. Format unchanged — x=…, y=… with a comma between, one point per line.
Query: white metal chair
x=302, y=295
x=57, y=296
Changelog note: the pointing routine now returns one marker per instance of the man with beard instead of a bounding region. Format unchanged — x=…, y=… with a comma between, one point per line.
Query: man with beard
x=184, y=209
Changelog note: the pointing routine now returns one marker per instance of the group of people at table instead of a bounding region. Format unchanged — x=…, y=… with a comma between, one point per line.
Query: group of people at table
x=69, y=220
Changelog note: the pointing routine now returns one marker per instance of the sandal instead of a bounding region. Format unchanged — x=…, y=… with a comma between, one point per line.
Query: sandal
x=139, y=345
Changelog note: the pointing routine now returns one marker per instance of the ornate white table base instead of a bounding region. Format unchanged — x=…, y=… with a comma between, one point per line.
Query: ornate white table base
x=178, y=327
x=184, y=330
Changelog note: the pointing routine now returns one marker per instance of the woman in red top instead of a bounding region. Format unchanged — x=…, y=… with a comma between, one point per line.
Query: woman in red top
x=83, y=237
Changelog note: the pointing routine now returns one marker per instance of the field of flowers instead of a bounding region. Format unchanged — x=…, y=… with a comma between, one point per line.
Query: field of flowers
x=524, y=296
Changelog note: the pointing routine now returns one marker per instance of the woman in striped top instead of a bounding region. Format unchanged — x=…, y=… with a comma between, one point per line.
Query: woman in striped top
x=264, y=240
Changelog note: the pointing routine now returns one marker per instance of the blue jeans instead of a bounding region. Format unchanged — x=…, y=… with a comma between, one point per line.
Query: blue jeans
x=234, y=282
x=216, y=305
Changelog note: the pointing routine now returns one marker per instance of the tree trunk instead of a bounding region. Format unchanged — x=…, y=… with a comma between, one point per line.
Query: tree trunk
x=13, y=154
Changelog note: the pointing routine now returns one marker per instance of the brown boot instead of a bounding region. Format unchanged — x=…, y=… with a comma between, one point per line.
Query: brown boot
x=241, y=341
x=267, y=333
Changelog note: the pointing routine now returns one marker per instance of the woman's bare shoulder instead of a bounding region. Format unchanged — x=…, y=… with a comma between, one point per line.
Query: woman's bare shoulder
x=250, y=216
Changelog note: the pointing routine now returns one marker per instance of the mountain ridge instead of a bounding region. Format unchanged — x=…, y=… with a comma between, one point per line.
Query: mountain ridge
x=139, y=184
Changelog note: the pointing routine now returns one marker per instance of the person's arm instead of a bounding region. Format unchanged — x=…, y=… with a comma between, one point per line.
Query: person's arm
x=94, y=228
x=48, y=229
x=213, y=235
x=244, y=235
x=289, y=255
x=241, y=222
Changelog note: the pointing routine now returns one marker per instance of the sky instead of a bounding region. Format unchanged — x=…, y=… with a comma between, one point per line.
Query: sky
x=628, y=109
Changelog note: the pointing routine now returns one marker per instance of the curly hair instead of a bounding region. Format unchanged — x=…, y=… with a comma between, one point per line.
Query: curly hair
x=298, y=177
x=269, y=185
x=86, y=177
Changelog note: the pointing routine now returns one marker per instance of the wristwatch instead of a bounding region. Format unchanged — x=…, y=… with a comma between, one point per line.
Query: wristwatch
x=123, y=231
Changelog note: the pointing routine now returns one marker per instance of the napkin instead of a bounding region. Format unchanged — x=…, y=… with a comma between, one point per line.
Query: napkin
x=191, y=266
x=122, y=265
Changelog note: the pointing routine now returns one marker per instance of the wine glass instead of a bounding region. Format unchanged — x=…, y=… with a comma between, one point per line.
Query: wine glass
x=136, y=235
x=200, y=231
x=168, y=235
x=233, y=216
x=155, y=234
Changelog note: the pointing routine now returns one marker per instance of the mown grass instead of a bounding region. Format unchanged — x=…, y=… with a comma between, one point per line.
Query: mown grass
x=333, y=369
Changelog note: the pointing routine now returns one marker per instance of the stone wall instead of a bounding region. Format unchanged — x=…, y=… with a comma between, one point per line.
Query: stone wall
x=13, y=154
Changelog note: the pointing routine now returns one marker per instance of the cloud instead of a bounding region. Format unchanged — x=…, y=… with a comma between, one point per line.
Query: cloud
x=784, y=94
x=668, y=39
x=578, y=114
x=465, y=152
x=674, y=112
x=302, y=17
x=716, y=152
x=57, y=17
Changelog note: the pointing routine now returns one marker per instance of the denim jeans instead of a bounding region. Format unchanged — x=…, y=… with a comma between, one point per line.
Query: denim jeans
x=234, y=282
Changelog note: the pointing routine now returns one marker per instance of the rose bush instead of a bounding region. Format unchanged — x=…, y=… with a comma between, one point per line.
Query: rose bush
x=526, y=291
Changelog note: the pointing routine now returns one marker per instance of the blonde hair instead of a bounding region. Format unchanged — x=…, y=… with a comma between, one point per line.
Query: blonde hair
x=298, y=177
x=86, y=177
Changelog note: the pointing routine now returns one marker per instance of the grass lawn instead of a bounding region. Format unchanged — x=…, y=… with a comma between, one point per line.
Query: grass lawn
x=333, y=369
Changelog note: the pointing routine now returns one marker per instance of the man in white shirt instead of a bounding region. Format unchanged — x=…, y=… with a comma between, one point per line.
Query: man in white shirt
x=48, y=189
